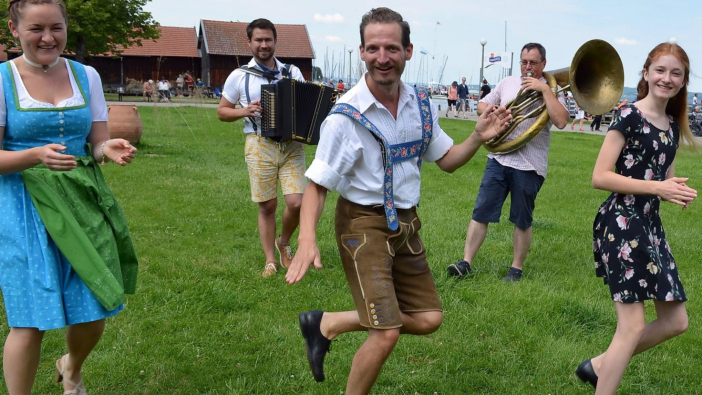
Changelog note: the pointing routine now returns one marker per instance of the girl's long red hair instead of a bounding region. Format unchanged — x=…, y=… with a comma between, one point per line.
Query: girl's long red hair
x=677, y=105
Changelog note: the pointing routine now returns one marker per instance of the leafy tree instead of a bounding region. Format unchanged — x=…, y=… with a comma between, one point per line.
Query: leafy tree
x=100, y=26
x=317, y=74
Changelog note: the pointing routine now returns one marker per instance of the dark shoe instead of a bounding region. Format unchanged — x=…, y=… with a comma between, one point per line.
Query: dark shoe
x=459, y=269
x=514, y=275
x=586, y=373
x=316, y=345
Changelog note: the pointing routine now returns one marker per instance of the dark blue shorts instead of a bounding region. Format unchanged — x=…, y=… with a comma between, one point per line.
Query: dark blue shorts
x=497, y=182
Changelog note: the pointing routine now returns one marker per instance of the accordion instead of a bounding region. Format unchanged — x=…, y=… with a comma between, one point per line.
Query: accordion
x=294, y=110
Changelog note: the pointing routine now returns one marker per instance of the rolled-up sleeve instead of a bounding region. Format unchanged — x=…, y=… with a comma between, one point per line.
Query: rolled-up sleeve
x=336, y=154
x=440, y=142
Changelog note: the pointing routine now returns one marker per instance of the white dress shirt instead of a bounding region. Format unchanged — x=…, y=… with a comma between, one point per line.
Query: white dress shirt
x=533, y=156
x=348, y=157
x=235, y=88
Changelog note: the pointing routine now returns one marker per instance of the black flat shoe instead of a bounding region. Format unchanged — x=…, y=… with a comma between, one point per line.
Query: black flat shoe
x=316, y=345
x=586, y=373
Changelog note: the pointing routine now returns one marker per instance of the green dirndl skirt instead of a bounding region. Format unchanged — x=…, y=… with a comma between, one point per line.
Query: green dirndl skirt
x=88, y=226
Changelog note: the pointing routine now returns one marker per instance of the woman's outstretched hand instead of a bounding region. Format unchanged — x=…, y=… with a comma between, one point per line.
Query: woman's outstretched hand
x=119, y=151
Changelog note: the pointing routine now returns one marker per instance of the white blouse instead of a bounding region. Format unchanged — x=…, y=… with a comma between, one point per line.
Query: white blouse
x=98, y=106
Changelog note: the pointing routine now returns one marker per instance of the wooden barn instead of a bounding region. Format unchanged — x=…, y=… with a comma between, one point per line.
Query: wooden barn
x=224, y=47
x=175, y=52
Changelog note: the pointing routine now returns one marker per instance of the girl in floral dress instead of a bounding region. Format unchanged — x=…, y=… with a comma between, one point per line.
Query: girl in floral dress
x=631, y=251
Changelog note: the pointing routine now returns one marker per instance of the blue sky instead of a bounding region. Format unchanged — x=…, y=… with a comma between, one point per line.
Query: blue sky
x=632, y=27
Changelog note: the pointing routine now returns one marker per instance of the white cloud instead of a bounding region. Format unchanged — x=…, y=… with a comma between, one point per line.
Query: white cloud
x=625, y=41
x=333, y=39
x=336, y=18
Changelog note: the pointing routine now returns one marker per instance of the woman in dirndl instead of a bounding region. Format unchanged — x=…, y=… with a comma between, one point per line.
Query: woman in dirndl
x=631, y=250
x=66, y=257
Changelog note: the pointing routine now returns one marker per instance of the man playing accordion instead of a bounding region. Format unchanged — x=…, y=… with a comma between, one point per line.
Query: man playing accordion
x=268, y=161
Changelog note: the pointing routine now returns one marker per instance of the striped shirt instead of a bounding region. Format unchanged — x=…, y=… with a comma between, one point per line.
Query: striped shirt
x=533, y=156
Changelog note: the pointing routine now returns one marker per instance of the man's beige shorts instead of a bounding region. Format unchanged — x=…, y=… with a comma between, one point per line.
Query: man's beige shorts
x=269, y=161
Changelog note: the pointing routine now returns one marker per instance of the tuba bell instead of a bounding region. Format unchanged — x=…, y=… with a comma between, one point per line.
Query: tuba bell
x=595, y=78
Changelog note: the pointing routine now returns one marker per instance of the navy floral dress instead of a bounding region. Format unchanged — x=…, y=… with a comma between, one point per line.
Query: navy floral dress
x=630, y=247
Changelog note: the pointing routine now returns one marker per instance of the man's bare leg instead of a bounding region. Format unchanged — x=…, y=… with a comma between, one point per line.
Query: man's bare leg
x=369, y=359
x=474, y=239
x=266, y=228
x=291, y=216
x=522, y=242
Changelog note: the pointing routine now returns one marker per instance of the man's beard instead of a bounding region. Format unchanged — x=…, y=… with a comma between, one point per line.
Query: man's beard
x=264, y=56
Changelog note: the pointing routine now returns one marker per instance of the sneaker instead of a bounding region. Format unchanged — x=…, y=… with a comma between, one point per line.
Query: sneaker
x=270, y=269
x=514, y=275
x=459, y=269
x=284, y=252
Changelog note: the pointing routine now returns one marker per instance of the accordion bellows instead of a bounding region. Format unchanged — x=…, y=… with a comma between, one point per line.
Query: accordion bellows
x=294, y=110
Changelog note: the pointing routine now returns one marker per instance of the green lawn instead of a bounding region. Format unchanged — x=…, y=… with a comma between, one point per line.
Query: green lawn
x=203, y=321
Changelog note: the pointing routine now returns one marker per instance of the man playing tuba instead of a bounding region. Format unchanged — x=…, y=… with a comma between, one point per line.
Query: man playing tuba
x=519, y=173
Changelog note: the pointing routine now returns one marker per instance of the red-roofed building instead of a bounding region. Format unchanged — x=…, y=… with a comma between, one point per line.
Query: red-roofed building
x=174, y=53
x=220, y=48
x=224, y=47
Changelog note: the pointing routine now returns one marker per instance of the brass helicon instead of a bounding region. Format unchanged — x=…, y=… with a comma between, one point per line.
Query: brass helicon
x=595, y=78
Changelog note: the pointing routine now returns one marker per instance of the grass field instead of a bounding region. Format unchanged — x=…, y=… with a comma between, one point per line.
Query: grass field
x=203, y=321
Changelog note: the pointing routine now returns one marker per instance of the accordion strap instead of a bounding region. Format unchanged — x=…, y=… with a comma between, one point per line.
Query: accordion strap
x=248, y=99
x=396, y=153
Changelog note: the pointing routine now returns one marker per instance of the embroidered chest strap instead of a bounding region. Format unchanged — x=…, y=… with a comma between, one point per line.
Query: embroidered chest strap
x=393, y=154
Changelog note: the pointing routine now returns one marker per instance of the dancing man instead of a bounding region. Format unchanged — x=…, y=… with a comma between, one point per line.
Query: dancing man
x=376, y=223
x=519, y=173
